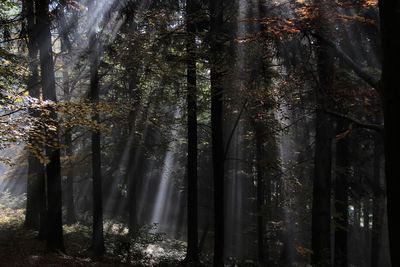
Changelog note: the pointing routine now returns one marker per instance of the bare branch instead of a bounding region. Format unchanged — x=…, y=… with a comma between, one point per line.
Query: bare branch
x=363, y=74
x=376, y=127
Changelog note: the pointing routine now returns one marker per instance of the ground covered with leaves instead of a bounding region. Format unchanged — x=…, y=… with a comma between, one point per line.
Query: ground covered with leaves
x=20, y=247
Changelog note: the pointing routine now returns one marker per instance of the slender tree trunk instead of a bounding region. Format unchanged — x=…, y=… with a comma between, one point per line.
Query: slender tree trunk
x=367, y=232
x=98, y=235
x=357, y=211
x=36, y=210
x=136, y=158
x=341, y=196
x=217, y=76
x=66, y=48
x=192, y=205
x=390, y=25
x=135, y=172
x=42, y=200
x=53, y=168
x=32, y=216
x=378, y=208
x=71, y=215
x=263, y=255
x=321, y=211
x=132, y=184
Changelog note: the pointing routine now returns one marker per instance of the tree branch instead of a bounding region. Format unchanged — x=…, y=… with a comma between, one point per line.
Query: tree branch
x=234, y=129
x=376, y=127
x=364, y=75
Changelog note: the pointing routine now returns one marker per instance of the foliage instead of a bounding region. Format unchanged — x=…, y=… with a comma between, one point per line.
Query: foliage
x=10, y=216
x=145, y=247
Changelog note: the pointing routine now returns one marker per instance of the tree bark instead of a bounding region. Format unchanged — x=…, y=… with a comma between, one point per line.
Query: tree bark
x=136, y=160
x=35, y=168
x=378, y=208
x=192, y=253
x=53, y=168
x=98, y=235
x=66, y=48
x=217, y=76
x=341, y=195
x=321, y=210
x=390, y=25
x=263, y=255
x=71, y=215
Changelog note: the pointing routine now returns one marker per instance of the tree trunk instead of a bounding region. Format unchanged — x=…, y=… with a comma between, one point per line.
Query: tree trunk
x=366, y=233
x=42, y=200
x=378, y=208
x=132, y=173
x=71, y=215
x=192, y=205
x=341, y=196
x=98, y=235
x=53, y=168
x=321, y=211
x=136, y=155
x=32, y=215
x=390, y=25
x=217, y=76
x=263, y=255
x=66, y=48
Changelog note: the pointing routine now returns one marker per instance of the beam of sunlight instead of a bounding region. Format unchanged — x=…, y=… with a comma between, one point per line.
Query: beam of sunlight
x=285, y=152
x=163, y=199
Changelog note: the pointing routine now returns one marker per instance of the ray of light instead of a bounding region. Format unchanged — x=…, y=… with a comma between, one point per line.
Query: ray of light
x=163, y=199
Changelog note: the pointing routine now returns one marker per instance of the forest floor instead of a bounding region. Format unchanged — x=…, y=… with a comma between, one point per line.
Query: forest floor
x=20, y=247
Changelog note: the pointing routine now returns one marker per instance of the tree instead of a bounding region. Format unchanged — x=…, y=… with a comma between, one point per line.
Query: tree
x=192, y=210
x=341, y=194
x=263, y=255
x=53, y=167
x=35, y=168
x=389, y=88
x=66, y=49
x=217, y=88
x=321, y=209
x=378, y=204
x=94, y=90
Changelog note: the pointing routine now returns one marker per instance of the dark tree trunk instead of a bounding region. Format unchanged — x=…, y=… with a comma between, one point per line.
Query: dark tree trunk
x=98, y=235
x=35, y=168
x=378, y=206
x=135, y=172
x=71, y=215
x=42, y=202
x=136, y=156
x=366, y=237
x=132, y=183
x=321, y=211
x=263, y=255
x=341, y=196
x=390, y=25
x=217, y=76
x=66, y=48
x=192, y=206
x=53, y=168
x=32, y=215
